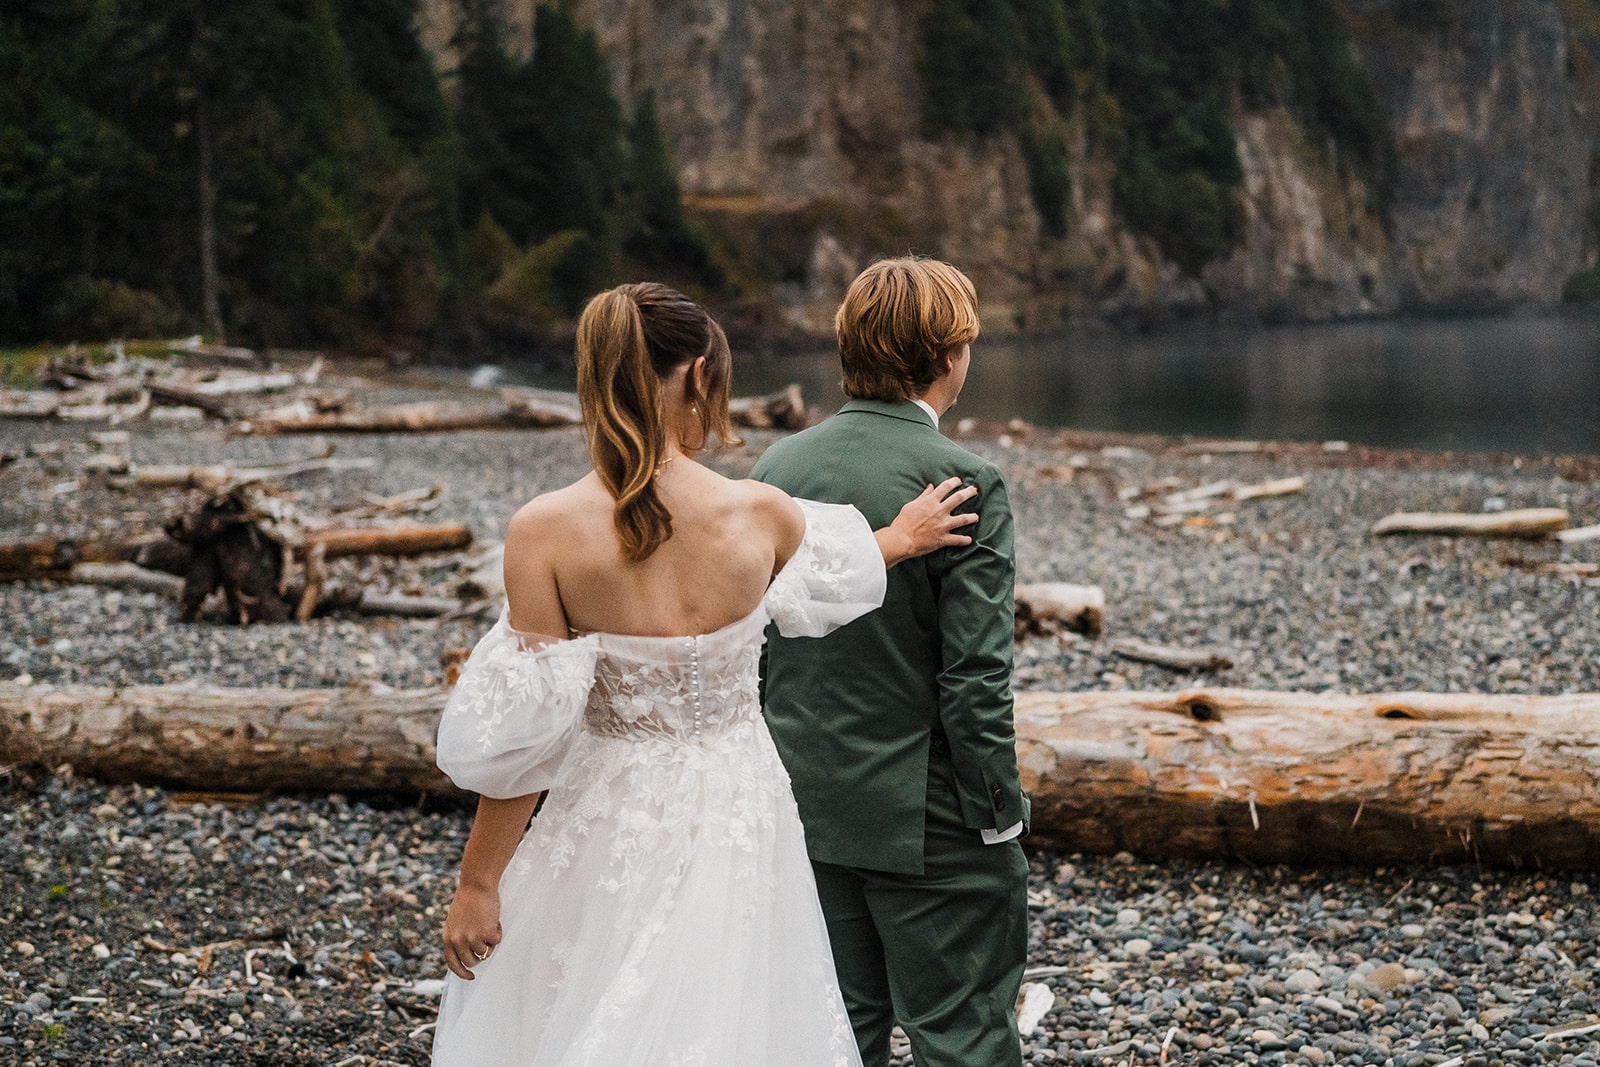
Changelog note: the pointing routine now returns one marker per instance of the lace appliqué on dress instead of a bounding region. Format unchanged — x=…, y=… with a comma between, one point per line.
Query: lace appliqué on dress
x=834, y=577
x=514, y=713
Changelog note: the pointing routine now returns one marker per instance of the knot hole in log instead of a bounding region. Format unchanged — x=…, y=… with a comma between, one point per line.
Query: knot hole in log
x=1397, y=711
x=1200, y=709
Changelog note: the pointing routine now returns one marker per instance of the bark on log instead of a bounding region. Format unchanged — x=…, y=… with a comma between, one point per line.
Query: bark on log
x=1316, y=777
x=1530, y=522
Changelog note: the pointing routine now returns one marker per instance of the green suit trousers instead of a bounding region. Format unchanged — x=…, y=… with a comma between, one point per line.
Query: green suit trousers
x=940, y=951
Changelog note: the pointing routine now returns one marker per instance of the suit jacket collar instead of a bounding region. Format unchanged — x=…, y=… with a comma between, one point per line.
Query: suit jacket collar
x=904, y=410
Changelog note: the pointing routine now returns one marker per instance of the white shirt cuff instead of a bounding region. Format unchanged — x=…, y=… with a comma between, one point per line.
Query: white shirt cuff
x=995, y=837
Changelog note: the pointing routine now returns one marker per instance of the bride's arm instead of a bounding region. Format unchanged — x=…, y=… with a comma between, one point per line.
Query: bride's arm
x=472, y=926
x=927, y=522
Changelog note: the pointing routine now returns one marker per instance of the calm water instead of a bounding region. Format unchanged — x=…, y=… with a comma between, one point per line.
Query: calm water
x=1525, y=384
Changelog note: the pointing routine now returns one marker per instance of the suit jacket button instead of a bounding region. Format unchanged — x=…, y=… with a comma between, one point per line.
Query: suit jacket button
x=999, y=797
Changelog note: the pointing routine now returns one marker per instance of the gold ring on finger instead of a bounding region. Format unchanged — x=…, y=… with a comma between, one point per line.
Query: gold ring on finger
x=482, y=955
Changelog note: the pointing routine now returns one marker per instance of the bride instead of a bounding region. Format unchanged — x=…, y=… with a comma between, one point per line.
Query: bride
x=660, y=911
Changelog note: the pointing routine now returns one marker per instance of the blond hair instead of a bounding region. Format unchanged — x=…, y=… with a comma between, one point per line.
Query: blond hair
x=630, y=340
x=899, y=319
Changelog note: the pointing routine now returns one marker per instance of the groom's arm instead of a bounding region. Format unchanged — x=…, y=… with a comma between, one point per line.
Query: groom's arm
x=974, y=585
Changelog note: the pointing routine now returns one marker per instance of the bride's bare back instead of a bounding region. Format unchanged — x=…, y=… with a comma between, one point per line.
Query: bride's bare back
x=566, y=569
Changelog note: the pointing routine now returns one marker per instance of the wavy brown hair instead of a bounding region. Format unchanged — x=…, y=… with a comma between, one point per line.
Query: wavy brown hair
x=899, y=319
x=631, y=339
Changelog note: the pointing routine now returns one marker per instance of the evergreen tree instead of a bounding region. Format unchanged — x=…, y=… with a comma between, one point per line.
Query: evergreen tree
x=576, y=133
x=973, y=66
x=660, y=234
x=393, y=69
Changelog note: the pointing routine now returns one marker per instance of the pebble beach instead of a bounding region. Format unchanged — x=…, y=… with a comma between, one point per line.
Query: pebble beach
x=149, y=926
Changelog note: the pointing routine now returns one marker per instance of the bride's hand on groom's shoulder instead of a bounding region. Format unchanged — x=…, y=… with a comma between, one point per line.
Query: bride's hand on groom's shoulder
x=929, y=521
x=471, y=929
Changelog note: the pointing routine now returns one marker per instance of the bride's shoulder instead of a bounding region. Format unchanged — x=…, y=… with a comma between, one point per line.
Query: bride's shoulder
x=560, y=510
x=777, y=513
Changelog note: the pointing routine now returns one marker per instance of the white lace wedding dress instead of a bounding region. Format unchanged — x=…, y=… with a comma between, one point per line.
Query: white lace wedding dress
x=660, y=912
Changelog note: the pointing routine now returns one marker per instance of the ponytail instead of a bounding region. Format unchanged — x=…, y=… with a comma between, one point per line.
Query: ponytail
x=629, y=339
x=620, y=394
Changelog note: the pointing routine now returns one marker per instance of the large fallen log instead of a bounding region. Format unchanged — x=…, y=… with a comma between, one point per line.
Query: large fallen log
x=1316, y=777
x=1529, y=522
x=240, y=739
x=1270, y=777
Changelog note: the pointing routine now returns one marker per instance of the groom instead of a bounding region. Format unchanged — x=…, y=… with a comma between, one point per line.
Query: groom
x=897, y=729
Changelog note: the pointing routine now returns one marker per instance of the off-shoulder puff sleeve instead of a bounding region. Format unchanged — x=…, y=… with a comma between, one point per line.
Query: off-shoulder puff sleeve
x=834, y=577
x=515, y=713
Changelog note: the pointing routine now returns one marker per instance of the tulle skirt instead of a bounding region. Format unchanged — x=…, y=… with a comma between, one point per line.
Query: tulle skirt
x=661, y=912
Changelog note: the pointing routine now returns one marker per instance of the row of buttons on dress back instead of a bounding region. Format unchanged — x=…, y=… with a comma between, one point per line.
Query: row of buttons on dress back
x=693, y=644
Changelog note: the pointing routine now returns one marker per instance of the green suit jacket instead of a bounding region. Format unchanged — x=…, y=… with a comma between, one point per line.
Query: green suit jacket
x=922, y=685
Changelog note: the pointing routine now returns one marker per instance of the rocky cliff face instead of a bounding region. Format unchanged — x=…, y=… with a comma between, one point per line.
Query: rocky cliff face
x=1494, y=127
x=797, y=133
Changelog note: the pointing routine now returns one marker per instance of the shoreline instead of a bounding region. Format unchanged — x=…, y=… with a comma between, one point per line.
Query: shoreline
x=1292, y=588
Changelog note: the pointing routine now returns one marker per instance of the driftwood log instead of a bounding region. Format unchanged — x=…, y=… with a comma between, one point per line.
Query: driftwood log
x=1528, y=522
x=217, y=478
x=238, y=739
x=1579, y=535
x=519, y=409
x=54, y=557
x=783, y=410
x=126, y=576
x=1268, y=777
x=1048, y=608
x=424, y=417
x=1170, y=657
x=1316, y=777
x=225, y=544
x=403, y=539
